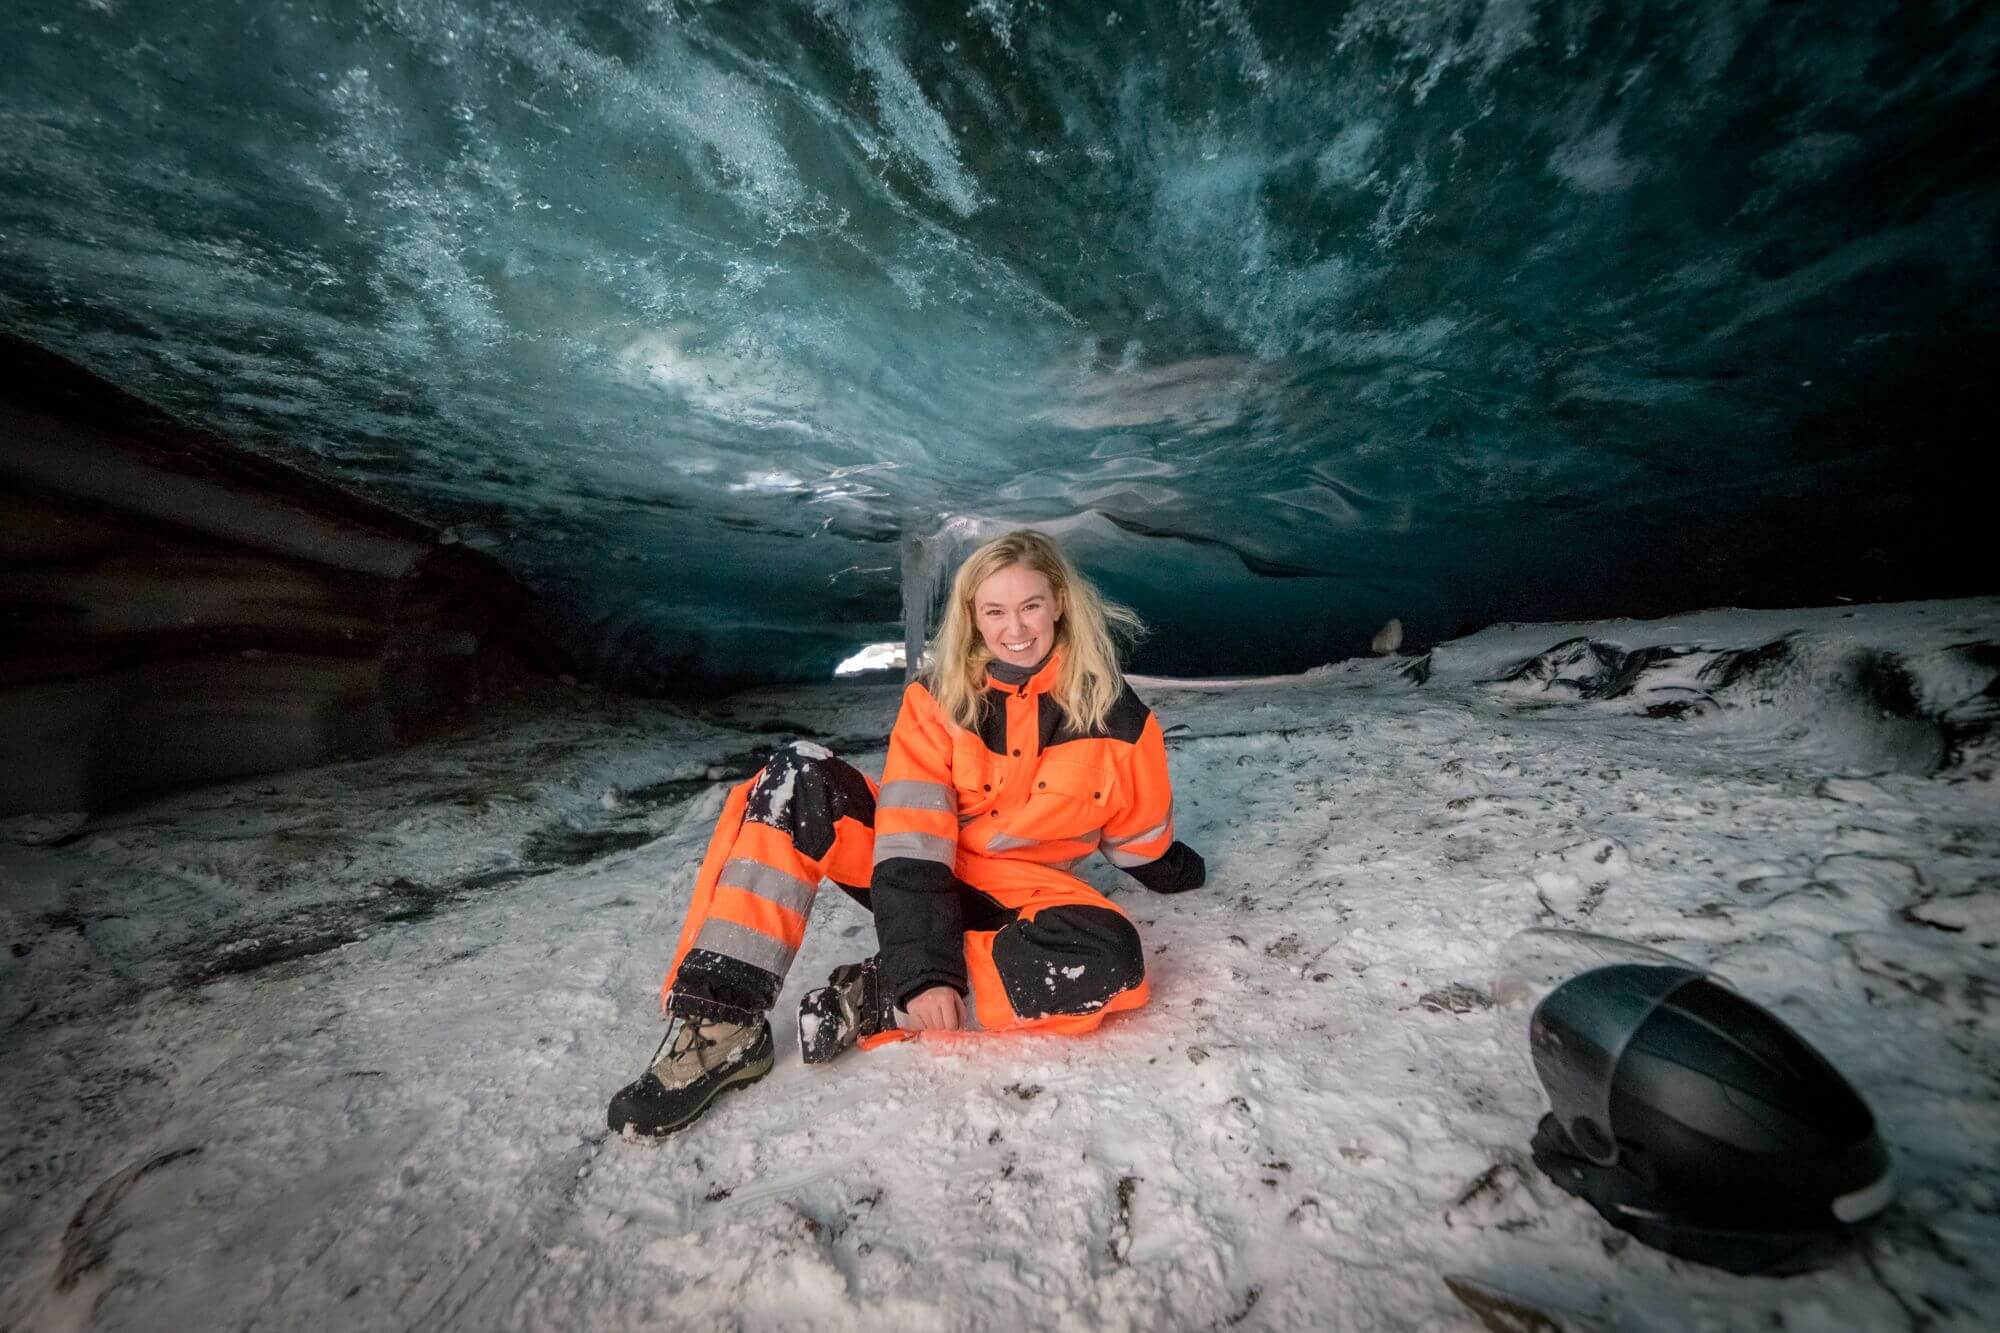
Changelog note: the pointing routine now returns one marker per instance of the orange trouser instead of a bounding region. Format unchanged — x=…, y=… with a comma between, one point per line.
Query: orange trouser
x=1043, y=950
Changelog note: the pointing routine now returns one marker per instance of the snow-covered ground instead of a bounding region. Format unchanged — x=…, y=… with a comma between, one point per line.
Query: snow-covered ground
x=332, y=1049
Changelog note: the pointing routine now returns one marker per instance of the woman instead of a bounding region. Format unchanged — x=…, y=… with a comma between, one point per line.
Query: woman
x=1022, y=751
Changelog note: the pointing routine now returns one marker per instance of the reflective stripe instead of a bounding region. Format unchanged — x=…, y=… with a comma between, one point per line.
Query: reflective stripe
x=916, y=846
x=1007, y=842
x=1164, y=826
x=745, y=946
x=915, y=794
x=1126, y=860
x=769, y=883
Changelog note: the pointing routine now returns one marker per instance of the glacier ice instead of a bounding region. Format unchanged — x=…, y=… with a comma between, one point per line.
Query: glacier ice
x=702, y=316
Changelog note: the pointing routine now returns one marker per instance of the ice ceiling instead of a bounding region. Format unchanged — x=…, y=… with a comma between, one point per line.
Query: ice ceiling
x=1296, y=317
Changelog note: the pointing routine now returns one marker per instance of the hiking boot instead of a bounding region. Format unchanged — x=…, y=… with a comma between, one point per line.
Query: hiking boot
x=849, y=1007
x=698, y=1061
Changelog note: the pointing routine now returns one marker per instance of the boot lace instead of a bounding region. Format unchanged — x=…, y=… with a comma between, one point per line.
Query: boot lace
x=684, y=1037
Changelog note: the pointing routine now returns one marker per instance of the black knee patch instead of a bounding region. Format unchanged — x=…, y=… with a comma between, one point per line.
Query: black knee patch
x=805, y=792
x=1068, y=960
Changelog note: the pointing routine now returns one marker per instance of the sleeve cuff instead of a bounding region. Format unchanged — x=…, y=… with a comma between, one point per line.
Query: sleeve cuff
x=1178, y=869
x=922, y=984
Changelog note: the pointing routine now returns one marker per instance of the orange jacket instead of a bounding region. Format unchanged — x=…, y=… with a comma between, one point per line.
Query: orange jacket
x=1007, y=809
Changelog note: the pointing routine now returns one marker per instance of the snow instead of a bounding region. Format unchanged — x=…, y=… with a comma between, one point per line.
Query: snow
x=332, y=1049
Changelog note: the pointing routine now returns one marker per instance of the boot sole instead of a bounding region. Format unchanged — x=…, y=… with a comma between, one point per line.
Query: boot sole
x=742, y=1078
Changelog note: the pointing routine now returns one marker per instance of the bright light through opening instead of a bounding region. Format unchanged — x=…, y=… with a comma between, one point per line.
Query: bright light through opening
x=873, y=657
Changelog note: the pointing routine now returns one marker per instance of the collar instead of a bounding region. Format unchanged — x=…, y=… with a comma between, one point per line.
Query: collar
x=1041, y=682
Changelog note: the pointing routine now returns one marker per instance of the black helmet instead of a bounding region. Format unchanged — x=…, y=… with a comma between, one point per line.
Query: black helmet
x=1693, y=1118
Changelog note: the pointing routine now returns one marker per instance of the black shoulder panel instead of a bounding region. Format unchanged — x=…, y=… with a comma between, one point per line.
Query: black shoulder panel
x=1128, y=717
x=1124, y=722
x=993, y=721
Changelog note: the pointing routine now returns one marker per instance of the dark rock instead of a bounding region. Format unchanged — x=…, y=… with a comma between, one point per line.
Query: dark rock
x=181, y=610
x=1457, y=998
x=1578, y=666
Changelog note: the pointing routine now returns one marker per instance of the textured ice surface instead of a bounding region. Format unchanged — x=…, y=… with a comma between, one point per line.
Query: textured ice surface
x=1331, y=313
x=333, y=1049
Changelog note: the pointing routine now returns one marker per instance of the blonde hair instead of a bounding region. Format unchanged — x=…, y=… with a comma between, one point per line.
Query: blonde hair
x=1089, y=682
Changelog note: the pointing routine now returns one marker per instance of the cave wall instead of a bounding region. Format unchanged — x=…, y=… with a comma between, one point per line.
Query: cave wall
x=174, y=609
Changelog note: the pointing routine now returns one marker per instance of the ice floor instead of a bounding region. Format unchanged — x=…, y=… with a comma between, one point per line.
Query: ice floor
x=332, y=1049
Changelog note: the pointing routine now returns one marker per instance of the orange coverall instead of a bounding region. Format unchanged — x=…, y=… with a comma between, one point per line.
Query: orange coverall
x=963, y=852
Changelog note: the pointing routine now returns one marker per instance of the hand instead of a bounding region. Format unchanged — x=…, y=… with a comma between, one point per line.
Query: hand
x=938, y=1009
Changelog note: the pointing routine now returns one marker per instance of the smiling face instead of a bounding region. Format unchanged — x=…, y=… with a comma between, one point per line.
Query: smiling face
x=1017, y=613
